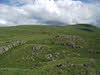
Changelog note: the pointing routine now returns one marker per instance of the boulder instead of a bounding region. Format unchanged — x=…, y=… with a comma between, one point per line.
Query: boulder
x=97, y=52
x=57, y=53
x=9, y=46
x=78, y=47
x=59, y=65
x=33, y=48
x=78, y=55
x=5, y=48
x=1, y=50
x=71, y=44
x=36, y=65
x=87, y=65
x=49, y=57
x=57, y=36
x=14, y=44
x=36, y=47
x=91, y=51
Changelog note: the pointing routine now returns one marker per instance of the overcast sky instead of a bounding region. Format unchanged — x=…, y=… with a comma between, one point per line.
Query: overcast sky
x=49, y=12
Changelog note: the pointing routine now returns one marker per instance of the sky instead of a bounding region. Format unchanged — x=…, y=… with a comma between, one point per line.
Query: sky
x=49, y=12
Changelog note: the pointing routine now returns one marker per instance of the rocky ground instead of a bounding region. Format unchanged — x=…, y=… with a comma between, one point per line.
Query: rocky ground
x=47, y=50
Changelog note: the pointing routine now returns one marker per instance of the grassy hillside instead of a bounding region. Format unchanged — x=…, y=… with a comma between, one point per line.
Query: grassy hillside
x=50, y=50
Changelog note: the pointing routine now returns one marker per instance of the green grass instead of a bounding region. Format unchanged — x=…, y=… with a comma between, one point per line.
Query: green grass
x=23, y=60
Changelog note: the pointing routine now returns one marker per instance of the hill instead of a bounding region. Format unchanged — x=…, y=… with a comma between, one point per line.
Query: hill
x=50, y=50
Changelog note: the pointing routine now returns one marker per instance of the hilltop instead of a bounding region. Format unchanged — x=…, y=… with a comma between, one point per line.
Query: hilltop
x=47, y=50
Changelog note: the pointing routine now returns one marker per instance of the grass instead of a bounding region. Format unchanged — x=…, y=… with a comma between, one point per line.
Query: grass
x=24, y=60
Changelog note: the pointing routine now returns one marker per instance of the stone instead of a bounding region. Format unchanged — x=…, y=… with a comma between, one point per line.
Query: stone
x=9, y=46
x=5, y=48
x=97, y=52
x=57, y=53
x=33, y=48
x=49, y=57
x=14, y=44
x=91, y=51
x=36, y=48
x=86, y=65
x=92, y=60
x=78, y=54
x=60, y=65
x=68, y=37
x=33, y=59
x=57, y=36
x=36, y=65
x=64, y=51
x=1, y=50
x=78, y=47
x=71, y=44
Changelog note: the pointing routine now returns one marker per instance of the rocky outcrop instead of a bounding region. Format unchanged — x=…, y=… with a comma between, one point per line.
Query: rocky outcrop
x=36, y=47
x=14, y=44
x=73, y=41
x=71, y=44
x=68, y=37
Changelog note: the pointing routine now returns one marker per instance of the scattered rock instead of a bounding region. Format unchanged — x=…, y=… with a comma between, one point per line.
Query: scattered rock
x=71, y=44
x=57, y=53
x=1, y=50
x=91, y=51
x=36, y=47
x=97, y=52
x=36, y=65
x=78, y=54
x=87, y=65
x=60, y=65
x=64, y=51
x=5, y=48
x=49, y=57
x=68, y=37
x=57, y=36
x=10, y=46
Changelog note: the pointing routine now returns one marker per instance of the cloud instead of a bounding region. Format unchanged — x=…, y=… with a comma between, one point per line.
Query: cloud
x=2, y=22
x=50, y=12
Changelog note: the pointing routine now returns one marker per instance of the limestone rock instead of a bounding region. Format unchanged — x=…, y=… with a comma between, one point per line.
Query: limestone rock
x=1, y=50
x=60, y=65
x=5, y=48
x=49, y=57
x=36, y=47
x=14, y=44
